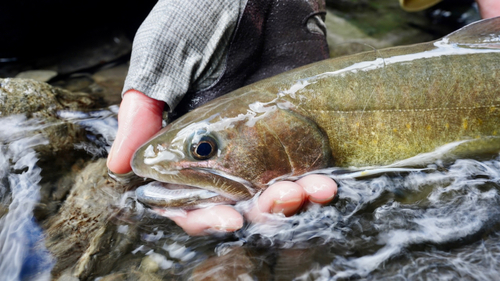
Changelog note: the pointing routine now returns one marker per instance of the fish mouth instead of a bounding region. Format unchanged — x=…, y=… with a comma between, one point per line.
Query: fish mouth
x=167, y=195
x=192, y=188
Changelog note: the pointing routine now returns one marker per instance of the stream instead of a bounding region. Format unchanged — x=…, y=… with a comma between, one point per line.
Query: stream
x=437, y=223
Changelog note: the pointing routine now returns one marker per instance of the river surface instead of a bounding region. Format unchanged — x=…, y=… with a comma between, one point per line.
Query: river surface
x=441, y=222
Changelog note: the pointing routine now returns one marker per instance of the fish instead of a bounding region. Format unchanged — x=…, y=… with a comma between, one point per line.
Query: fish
x=417, y=5
x=383, y=108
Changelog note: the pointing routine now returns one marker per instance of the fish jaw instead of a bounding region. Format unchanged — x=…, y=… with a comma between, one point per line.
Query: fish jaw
x=232, y=189
x=170, y=196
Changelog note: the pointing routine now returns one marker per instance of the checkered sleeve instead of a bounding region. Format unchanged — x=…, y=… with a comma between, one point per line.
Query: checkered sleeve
x=181, y=46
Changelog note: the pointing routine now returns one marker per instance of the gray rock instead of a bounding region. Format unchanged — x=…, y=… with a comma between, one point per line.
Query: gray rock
x=38, y=75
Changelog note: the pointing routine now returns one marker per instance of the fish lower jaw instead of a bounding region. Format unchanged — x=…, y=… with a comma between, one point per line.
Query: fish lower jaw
x=228, y=186
x=177, y=196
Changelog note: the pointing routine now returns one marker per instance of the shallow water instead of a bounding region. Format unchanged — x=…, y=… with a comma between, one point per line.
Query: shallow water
x=437, y=223
x=23, y=255
x=22, y=252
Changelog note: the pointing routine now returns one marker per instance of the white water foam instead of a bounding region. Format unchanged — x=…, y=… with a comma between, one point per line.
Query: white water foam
x=23, y=255
x=383, y=218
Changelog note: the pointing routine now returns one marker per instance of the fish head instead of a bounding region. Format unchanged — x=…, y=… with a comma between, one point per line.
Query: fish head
x=233, y=146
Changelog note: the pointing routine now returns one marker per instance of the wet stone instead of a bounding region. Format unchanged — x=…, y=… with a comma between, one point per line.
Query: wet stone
x=38, y=75
x=82, y=235
x=77, y=82
x=34, y=107
x=238, y=265
x=37, y=99
x=112, y=80
x=364, y=25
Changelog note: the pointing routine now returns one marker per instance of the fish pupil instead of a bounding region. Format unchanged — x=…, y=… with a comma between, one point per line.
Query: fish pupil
x=204, y=149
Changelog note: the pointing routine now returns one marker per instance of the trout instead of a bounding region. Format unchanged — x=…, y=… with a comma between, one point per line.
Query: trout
x=368, y=109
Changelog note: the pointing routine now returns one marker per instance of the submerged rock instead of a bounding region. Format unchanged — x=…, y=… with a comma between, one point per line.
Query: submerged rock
x=80, y=235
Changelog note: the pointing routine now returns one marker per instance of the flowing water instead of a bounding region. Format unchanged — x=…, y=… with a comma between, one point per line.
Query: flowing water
x=22, y=252
x=437, y=223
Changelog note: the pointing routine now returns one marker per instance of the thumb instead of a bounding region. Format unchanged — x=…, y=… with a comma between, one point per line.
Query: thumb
x=139, y=118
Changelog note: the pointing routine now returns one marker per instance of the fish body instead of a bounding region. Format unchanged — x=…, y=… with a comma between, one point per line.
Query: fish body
x=368, y=109
x=417, y=5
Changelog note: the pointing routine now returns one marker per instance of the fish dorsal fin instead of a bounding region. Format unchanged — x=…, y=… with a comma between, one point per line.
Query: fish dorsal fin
x=484, y=34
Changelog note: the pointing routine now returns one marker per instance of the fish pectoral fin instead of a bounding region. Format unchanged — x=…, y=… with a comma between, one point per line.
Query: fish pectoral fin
x=481, y=34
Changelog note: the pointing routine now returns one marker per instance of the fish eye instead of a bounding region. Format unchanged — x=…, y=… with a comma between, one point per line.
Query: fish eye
x=205, y=148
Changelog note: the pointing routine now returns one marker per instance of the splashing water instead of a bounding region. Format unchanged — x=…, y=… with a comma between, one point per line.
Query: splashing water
x=23, y=254
x=427, y=225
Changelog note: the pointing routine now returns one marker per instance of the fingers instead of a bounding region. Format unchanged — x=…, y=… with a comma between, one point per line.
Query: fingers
x=287, y=197
x=283, y=197
x=320, y=189
x=139, y=118
x=219, y=218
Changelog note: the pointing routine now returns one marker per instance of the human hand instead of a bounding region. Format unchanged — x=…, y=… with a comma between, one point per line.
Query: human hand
x=140, y=117
x=489, y=8
x=283, y=197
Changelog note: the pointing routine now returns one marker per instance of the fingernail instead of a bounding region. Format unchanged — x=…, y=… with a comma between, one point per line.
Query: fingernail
x=229, y=226
x=225, y=228
x=110, y=155
x=287, y=208
x=321, y=200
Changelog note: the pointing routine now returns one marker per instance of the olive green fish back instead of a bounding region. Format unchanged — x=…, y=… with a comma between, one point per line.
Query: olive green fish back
x=383, y=106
